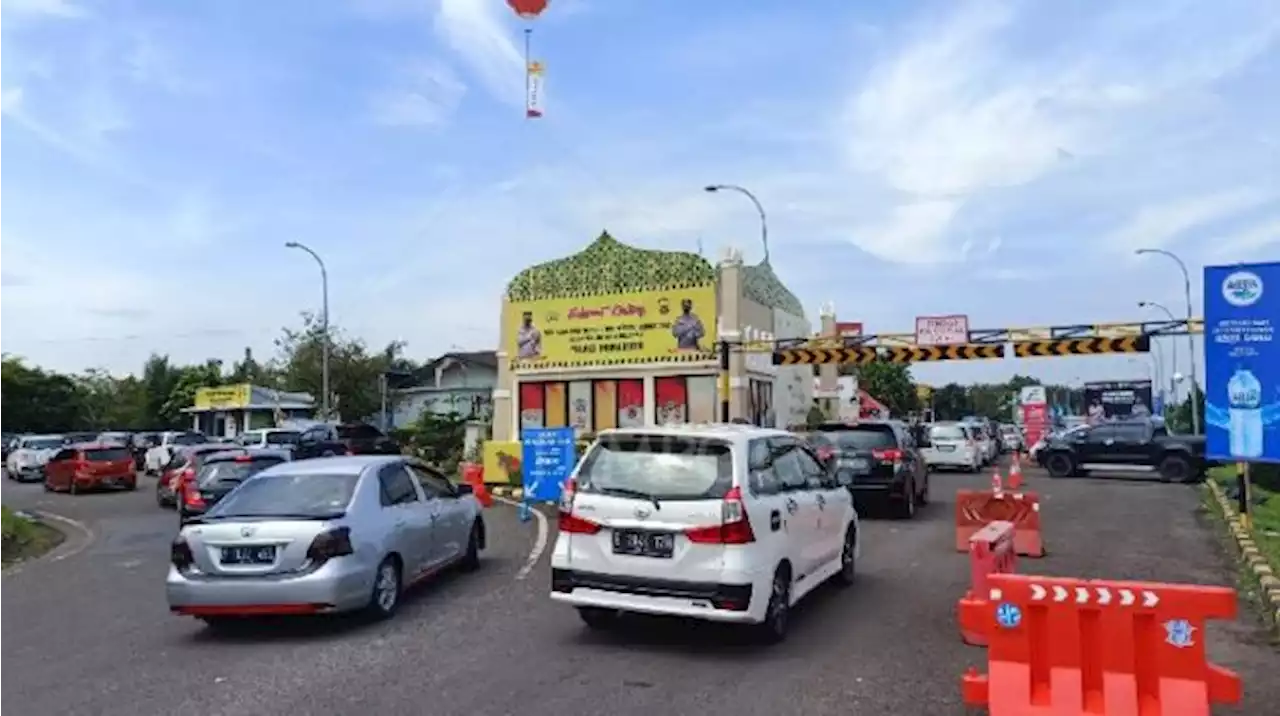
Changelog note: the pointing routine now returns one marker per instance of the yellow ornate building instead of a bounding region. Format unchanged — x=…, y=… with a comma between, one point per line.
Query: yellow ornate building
x=619, y=336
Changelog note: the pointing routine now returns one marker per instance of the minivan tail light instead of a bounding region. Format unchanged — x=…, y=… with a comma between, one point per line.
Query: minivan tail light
x=332, y=543
x=570, y=523
x=887, y=455
x=734, y=527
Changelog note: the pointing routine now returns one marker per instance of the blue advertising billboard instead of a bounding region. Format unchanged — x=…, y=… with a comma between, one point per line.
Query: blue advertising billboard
x=549, y=456
x=1242, y=362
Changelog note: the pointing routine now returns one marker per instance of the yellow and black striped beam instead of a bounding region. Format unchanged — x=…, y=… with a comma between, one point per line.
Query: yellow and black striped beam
x=923, y=354
x=819, y=356
x=1081, y=346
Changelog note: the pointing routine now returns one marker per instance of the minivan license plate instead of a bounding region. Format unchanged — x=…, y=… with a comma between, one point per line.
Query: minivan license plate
x=640, y=543
x=248, y=555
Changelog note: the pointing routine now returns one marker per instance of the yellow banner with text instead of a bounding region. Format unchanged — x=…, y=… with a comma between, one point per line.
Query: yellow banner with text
x=675, y=325
x=223, y=397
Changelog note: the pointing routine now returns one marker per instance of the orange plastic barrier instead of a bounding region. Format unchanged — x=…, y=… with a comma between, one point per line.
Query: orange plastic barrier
x=990, y=552
x=473, y=475
x=1074, y=647
x=976, y=509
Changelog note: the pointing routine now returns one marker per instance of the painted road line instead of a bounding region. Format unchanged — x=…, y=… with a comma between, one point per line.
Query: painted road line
x=539, y=543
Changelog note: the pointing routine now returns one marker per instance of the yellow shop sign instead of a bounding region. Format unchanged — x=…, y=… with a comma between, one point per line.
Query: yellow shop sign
x=675, y=325
x=223, y=397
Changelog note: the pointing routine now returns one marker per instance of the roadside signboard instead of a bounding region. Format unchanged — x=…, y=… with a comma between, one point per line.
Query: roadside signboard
x=1034, y=403
x=549, y=456
x=1242, y=363
x=942, y=330
x=1117, y=400
x=1033, y=394
x=849, y=329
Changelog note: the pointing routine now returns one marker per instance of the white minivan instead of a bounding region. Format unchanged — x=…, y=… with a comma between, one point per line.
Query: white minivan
x=723, y=522
x=952, y=445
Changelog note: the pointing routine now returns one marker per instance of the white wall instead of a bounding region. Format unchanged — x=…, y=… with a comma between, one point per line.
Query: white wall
x=793, y=388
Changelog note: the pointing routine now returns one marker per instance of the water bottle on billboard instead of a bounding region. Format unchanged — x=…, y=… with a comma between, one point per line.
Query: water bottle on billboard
x=1244, y=395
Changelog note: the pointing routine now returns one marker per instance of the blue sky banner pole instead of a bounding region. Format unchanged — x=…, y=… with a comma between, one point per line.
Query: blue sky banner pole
x=1242, y=362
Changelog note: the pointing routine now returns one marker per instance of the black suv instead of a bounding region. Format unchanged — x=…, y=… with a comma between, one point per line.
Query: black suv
x=876, y=459
x=326, y=439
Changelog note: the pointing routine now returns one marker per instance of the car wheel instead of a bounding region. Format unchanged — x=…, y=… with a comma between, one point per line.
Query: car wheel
x=471, y=560
x=922, y=497
x=387, y=586
x=848, y=573
x=1060, y=465
x=160, y=496
x=906, y=506
x=47, y=486
x=598, y=618
x=777, y=615
x=131, y=485
x=1175, y=468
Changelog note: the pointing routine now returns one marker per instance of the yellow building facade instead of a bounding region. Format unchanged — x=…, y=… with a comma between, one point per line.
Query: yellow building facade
x=618, y=336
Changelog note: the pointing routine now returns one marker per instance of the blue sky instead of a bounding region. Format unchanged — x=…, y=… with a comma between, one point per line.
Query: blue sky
x=1000, y=159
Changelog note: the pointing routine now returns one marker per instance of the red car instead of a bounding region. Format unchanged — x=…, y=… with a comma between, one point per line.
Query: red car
x=90, y=466
x=182, y=469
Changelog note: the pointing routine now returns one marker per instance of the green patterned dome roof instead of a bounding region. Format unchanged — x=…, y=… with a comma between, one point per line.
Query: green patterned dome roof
x=762, y=285
x=609, y=266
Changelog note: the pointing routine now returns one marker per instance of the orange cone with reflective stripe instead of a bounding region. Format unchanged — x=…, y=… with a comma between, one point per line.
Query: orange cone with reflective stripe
x=1015, y=472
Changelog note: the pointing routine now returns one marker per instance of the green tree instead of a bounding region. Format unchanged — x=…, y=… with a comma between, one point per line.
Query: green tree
x=183, y=393
x=951, y=402
x=891, y=384
x=108, y=402
x=38, y=401
x=353, y=372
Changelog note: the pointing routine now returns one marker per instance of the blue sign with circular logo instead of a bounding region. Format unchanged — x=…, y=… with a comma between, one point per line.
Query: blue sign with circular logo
x=1008, y=615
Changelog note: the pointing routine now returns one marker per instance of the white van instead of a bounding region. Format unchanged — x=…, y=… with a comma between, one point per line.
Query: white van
x=729, y=523
x=952, y=445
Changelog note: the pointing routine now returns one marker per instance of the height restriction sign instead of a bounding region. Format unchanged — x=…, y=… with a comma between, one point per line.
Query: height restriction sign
x=942, y=330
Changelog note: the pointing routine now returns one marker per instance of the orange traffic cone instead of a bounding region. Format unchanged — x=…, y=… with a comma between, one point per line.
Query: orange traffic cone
x=1015, y=472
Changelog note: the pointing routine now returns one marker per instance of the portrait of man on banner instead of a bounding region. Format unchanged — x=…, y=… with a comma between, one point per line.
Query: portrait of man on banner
x=528, y=338
x=688, y=329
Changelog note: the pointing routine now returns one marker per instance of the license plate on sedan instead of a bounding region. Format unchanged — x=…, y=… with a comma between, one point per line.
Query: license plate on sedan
x=947, y=448
x=640, y=543
x=249, y=555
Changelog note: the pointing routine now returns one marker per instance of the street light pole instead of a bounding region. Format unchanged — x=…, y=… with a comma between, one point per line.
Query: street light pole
x=1173, y=347
x=1191, y=341
x=324, y=325
x=764, y=219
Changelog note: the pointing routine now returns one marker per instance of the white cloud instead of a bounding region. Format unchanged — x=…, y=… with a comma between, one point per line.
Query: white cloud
x=433, y=94
x=1157, y=225
x=914, y=233
x=48, y=8
x=476, y=31
x=1249, y=240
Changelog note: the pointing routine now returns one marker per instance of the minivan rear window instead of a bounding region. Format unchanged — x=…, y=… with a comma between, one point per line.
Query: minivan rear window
x=658, y=467
x=107, y=454
x=862, y=437
x=234, y=470
x=947, y=432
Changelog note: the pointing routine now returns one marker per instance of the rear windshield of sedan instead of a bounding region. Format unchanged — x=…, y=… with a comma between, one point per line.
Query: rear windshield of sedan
x=107, y=454
x=295, y=495
x=234, y=471
x=282, y=437
x=660, y=467
x=947, y=432
x=861, y=437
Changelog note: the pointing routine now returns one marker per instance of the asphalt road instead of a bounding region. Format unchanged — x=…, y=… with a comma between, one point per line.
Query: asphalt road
x=89, y=632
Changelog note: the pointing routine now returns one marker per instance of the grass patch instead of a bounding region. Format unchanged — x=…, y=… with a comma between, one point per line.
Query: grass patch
x=24, y=538
x=1265, y=512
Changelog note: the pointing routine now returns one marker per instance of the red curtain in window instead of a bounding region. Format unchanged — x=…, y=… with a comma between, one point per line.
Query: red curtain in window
x=672, y=398
x=532, y=412
x=630, y=403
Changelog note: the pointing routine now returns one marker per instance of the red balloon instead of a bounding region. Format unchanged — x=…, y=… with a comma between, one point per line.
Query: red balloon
x=528, y=9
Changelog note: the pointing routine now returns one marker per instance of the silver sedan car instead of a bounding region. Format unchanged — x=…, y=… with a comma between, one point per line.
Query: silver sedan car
x=321, y=536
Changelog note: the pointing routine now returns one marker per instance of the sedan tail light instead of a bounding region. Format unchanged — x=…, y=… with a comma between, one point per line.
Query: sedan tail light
x=332, y=543
x=180, y=554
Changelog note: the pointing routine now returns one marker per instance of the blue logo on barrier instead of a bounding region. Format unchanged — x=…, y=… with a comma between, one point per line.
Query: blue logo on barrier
x=1179, y=633
x=1008, y=615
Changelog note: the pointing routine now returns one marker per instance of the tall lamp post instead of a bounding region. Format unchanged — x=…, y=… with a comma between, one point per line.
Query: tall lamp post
x=1173, y=346
x=1191, y=341
x=324, y=325
x=764, y=219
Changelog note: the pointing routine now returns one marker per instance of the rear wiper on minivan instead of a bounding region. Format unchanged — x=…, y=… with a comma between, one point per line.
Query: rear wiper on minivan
x=624, y=492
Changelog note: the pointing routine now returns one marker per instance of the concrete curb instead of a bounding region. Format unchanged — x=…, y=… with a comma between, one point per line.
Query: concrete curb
x=507, y=491
x=1264, y=573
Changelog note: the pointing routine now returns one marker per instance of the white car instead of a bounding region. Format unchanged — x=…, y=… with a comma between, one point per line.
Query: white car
x=156, y=457
x=727, y=523
x=952, y=445
x=26, y=462
x=273, y=438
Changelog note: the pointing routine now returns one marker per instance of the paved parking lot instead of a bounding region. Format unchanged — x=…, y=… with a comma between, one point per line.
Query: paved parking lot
x=91, y=634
